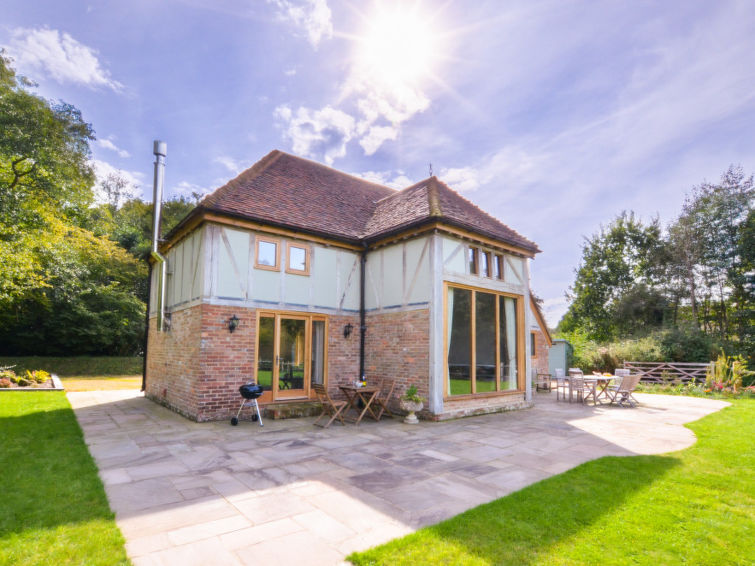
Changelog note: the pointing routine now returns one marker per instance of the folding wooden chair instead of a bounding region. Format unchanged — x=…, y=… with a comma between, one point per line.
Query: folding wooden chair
x=330, y=407
x=621, y=394
x=384, y=397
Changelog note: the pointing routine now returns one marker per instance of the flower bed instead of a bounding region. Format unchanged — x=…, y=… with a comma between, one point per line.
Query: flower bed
x=32, y=380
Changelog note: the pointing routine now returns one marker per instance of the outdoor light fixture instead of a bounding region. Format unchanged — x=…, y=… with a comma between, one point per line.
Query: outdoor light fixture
x=347, y=330
x=233, y=323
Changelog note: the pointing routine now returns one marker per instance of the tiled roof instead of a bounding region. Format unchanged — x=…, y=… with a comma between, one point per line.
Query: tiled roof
x=290, y=191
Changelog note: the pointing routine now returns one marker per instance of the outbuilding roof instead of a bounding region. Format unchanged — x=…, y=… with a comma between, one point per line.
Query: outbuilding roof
x=297, y=193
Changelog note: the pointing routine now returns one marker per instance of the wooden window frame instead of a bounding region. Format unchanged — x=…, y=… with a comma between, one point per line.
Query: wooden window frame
x=307, y=251
x=521, y=353
x=489, y=257
x=257, y=264
x=500, y=262
x=474, y=269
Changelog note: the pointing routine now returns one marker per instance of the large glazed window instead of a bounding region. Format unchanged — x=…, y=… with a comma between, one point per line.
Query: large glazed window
x=484, y=353
x=459, y=341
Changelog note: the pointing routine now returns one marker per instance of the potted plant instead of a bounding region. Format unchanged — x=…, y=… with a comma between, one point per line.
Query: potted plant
x=411, y=403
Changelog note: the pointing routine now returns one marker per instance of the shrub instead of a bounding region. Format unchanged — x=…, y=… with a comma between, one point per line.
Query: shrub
x=728, y=373
x=4, y=383
x=37, y=376
x=687, y=344
x=8, y=374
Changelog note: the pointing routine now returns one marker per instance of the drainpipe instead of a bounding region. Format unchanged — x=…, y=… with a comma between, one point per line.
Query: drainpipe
x=362, y=324
x=160, y=150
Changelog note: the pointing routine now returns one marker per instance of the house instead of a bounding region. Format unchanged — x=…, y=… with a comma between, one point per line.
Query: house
x=294, y=273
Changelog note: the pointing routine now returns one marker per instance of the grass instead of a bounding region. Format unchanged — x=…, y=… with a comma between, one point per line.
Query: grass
x=53, y=508
x=79, y=366
x=696, y=506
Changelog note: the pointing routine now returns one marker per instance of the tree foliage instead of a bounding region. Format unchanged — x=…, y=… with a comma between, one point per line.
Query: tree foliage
x=73, y=279
x=693, y=285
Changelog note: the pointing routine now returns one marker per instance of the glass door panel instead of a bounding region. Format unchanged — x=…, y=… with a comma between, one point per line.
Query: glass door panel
x=292, y=357
x=484, y=342
x=459, y=341
x=318, y=352
x=266, y=352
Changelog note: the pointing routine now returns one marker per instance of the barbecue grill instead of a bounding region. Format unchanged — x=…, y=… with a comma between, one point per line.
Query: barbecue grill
x=250, y=392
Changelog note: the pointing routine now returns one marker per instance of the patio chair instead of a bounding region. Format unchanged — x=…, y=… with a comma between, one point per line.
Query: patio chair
x=383, y=398
x=621, y=393
x=541, y=380
x=330, y=407
x=620, y=372
x=576, y=383
x=561, y=383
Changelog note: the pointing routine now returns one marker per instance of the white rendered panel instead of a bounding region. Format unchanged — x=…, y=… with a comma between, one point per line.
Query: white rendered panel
x=198, y=273
x=393, y=276
x=349, y=275
x=233, y=257
x=323, y=274
x=418, y=275
x=267, y=285
x=513, y=272
x=454, y=256
x=297, y=289
x=373, y=277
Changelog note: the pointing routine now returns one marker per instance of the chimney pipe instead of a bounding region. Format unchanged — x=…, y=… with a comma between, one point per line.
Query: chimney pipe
x=160, y=150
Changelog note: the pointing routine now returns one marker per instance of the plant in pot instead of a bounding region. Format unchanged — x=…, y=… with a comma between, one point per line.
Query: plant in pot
x=411, y=402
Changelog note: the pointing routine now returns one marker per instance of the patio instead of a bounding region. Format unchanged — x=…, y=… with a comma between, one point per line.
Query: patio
x=292, y=493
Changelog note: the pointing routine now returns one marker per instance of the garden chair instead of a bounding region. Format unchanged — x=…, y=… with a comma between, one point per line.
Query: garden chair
x=383, y=398
x=561, y=383
x=620, y=372
x=541, y=380
x=621, y=393
x=330, y=407
x=576, y=381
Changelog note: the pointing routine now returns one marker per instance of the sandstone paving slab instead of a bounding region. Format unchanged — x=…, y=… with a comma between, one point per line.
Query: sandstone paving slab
x=290, y=493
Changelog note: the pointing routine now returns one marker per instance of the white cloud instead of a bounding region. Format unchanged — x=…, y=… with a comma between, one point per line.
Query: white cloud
x=554, y=309
x=461, y=179
x=107, y=143
x=60, y=56
x=375, y=137
x=315, y=133
x=311, y=16
x=231, y=164
x=290, y=72
x=397, y=180
x=103, y=170
x=187, y=189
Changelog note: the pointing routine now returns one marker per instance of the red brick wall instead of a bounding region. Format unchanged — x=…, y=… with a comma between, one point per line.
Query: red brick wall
x=173, y=362
x=398, y=347
x=197, y=368
x=540, y=360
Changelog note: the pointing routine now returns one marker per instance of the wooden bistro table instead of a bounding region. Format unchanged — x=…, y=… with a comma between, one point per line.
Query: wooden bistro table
x=354, y=394
x=599, y=384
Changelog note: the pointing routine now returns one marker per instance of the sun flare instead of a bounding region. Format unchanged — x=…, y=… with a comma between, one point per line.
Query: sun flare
x=399, y=45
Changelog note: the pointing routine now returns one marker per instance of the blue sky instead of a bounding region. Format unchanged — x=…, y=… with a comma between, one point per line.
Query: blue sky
x=553, y=116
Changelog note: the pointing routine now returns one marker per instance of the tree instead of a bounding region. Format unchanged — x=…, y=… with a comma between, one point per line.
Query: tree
x=620, y=256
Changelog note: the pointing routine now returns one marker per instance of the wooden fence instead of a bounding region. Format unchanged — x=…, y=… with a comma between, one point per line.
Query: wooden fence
x=668, y=372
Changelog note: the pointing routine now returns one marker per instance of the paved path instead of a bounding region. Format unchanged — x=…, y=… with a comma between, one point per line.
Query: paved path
x=290, y=493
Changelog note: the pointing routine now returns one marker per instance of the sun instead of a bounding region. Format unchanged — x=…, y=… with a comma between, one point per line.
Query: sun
x=399, y=45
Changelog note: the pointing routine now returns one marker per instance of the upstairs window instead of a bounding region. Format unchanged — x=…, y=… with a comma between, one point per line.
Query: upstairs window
x=498, y=267
x=298, y=259
x=268, y=254
x=474, y=261
x=485, y=264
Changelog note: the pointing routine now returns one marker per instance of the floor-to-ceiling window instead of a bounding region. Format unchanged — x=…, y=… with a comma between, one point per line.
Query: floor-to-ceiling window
x=483, y=341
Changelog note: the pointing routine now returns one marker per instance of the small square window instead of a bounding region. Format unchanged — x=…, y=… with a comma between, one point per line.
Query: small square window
x=268, y=254
x=298, y=259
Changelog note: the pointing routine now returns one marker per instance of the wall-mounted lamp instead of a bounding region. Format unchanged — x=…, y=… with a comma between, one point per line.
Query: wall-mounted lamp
x=233, y=323
x=347, y=330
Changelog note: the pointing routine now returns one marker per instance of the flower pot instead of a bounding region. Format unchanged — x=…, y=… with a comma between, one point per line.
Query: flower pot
x=411, y=407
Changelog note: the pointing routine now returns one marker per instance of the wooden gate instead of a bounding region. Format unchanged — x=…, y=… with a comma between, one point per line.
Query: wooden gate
x=669, y=372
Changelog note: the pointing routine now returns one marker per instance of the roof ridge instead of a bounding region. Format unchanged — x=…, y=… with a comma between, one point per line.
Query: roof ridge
x=490, y=216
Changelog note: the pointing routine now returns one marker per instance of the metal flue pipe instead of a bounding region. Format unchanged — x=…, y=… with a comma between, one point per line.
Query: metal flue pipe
x=160, y=150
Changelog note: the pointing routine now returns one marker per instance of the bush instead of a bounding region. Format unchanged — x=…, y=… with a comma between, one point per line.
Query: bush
x=4, y=383
x=37, y=376
x=687, y=345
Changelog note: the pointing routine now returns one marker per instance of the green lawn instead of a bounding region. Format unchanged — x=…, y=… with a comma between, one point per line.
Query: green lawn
x=53, y=508
x=696, y=506
x=77, y=365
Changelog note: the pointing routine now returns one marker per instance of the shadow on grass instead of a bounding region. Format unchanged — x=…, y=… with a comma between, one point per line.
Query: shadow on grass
x=522, y=527
x=50, y=484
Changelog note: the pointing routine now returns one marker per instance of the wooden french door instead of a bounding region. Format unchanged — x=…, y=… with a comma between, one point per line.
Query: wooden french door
x=290, y=353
